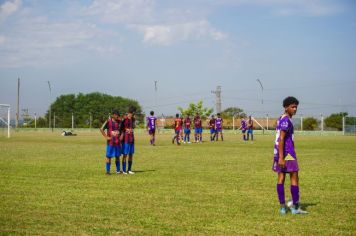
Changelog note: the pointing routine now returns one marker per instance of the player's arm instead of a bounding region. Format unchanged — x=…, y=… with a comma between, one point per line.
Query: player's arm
x=102, y=130
x=281, y=161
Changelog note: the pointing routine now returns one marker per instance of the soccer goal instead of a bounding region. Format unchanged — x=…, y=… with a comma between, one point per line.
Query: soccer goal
x=5, y=120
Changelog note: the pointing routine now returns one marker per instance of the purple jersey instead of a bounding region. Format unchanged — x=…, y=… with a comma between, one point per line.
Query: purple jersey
x=151, y=122
x=285, y=124
x=243, y=125
x=218, y=123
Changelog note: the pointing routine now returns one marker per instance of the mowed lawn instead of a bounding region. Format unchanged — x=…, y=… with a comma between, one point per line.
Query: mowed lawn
x=57, y=185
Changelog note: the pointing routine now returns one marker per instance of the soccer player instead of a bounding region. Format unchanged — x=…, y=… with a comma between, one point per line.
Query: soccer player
x=212, y=128
x=113, y=144
x=178, y=123
x=187, y=122
x=250, y=128
x=218, y=127
x=128, y=139
x=243, y=128
x=285, y=157
x=151, y=127
x=198, y=129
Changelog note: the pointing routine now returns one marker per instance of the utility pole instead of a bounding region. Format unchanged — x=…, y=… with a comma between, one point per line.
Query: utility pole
x=50, y=110
x=18, y=103
x=217, y=93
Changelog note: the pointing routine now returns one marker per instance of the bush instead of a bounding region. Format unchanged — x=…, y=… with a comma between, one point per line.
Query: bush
x=310, y=123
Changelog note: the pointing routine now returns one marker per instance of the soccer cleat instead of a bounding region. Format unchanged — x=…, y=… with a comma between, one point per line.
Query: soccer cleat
x=283, y=211
x=131, y=172
x=297, y=211
x=107, y=173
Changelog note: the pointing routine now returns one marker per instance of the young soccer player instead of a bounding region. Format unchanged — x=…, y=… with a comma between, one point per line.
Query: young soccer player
x=128, y=138
x=178, y=123
x=187, y=123
x=243, y=128
x=151, y=127
x=285, y=157
x=212, y=128
x=218, y=127
x=250, y=128
x=113, y=144
x=198, y=129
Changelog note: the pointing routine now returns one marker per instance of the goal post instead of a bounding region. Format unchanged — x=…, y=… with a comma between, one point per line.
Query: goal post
x=5, y=118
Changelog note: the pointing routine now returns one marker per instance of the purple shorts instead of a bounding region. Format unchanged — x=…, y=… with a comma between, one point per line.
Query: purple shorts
x=291, y=166
x=151, y=131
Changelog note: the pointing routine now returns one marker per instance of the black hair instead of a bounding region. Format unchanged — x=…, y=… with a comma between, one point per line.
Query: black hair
x=151, y=113
x=289, y=101
x=218, y=114
x=116, y=112
x=177, y=115
x=132, y=109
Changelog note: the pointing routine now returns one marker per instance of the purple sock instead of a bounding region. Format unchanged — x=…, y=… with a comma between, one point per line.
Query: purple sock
x=151, y=141
x=280, y=192
x=295, y=194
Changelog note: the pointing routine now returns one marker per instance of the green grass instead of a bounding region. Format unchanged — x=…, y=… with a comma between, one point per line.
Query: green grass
x=51, y=184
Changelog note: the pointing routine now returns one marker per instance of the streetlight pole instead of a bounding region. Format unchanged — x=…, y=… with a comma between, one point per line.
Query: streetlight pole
x=50, y=109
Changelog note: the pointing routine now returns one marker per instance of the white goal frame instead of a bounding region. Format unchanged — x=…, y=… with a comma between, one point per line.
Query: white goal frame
x=8, y=118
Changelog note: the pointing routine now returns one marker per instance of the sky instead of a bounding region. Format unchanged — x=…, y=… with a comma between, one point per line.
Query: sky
x=301, y=48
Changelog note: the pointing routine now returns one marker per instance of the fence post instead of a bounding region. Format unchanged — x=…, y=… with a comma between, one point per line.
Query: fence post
x=301, y=122
x=233, y=122
x=322, y=122
x=267, y=121
x=343, y=125
x=72, y=121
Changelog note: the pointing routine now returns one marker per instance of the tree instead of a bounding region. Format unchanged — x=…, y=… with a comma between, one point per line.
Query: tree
x=233, y=111
x=335, y=120
x=97, y=105
x=310, y=123
x=196, y=108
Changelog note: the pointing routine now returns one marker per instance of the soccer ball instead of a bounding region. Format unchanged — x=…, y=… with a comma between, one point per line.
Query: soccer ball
x=290, y=203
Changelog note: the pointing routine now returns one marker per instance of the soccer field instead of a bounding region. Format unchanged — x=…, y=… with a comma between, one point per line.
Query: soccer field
x=51, y=184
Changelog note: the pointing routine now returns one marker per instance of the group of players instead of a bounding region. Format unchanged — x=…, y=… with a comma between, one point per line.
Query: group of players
x=120, y=140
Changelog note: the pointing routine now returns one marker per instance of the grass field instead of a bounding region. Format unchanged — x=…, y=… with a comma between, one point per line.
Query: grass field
x=51, y=184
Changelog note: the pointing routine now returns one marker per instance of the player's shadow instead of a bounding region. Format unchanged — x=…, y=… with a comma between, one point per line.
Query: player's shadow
x=307, y=204
x=142, y=171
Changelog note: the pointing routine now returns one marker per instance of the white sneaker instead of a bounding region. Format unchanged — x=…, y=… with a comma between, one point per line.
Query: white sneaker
x=189, y=142
x=118, y=172
x=131, y=172
x=124, y=173
x=183, y=142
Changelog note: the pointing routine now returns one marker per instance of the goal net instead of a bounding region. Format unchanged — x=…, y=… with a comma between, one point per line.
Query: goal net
x=5, y=120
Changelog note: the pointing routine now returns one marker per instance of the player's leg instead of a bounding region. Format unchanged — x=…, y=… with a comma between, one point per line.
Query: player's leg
x=154, y=137
x=131, y=152
x=108, y=164
x=294, y=189
x=221, y=135
x=201, y=134
x=251, y=134
x=117, y=159
x=109, y=155
x=280, y=192
x=124, y=157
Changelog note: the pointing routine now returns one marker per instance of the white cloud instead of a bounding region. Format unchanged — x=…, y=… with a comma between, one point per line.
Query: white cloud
x=8, y=8
x=121, y=11
x=292, y=7
x=166, y=34
x=34, y=41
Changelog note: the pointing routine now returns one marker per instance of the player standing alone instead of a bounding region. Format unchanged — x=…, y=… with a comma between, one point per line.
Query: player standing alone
x=127, y=136
x=178, y=125
x=250, y=128
x=212, y=128
x=285, y=157
x=151, y=127
x=187, y=122
x=218, y=127
x=198, y=128
x=112, y=135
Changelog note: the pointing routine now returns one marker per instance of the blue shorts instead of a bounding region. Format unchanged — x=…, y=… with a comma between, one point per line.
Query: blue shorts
x=128, y=148
x=187, y=131
x=250, y=131
x=198, y=130
x=113, y=151
x=212, y=131
x=177, y=131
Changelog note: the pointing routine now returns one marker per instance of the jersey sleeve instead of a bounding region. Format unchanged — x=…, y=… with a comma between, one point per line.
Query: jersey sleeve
x=105, y=125
x=284, y=124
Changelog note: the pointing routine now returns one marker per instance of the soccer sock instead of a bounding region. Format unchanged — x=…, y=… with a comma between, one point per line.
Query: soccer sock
x=188, y=138
x=130, y=165
x=201, y=137
x=280, y=192
x=294, y=190
x=117, y=166
x=124, y=166
x=153, y=141
x=251, y=137
x=108, y=167
x=222, y=138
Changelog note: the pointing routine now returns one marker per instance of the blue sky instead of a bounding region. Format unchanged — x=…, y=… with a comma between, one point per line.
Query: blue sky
x=304, y=48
